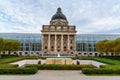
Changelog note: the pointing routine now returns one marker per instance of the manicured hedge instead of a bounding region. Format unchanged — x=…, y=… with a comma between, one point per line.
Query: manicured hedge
x=58, y=67
x=100, y=71
x=18, y=70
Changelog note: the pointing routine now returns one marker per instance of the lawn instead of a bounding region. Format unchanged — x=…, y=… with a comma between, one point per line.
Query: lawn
x=8, y=59
x=108, y=60
x=113, y=66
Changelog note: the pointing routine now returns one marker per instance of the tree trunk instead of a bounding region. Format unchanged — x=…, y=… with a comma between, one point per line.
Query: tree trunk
x=9, y=53
x=0, y=54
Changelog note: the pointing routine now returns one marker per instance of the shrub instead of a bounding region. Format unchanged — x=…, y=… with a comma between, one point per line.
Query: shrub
x=101, y=71
x=59, y=67
x=18, y=70
x=103, y=66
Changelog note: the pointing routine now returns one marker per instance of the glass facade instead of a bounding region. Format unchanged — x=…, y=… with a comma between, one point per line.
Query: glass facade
x=32, y=41
x=28, y=41
x=87, y=42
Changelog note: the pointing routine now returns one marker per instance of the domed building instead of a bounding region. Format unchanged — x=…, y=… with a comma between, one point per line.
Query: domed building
x=58, y=36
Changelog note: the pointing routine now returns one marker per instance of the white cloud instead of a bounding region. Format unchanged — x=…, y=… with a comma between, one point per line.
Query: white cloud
x=90, y=16
x=102, y=25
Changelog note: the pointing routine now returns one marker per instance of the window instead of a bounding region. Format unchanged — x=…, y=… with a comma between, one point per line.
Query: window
x=26, y=52
x=90, y=53
x=71, y=41
x=21, y=44
x=37, y=52
x=95, y=54
x=27, y=44
x=4, y=52
x=45, y=47
x=27, y=48
x=71, y=48
x=15, y=52
x=20, y=53
x=65, y=49
x=79, y=53
x=85, y=53
x=52, y=48
x=31, y=52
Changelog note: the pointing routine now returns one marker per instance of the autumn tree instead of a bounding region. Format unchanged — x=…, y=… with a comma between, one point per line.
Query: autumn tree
x=109, y=46
x=100, y=46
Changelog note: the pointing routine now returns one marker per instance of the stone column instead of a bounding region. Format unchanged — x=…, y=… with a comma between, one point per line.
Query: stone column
x=68, y=42
x=61, y=42
x=42, y=41
x=49, y=42
x=75, y=42
x=55, y=42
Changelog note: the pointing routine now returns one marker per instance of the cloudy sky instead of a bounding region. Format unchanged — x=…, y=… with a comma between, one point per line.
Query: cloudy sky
x=89, y=16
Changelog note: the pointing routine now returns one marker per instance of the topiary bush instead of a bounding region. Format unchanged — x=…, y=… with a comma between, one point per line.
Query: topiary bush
x=58, y=67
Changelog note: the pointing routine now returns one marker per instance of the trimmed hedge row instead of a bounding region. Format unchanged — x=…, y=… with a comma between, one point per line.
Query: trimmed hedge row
x=58, y=67
x=100, y=71
x=18, y=70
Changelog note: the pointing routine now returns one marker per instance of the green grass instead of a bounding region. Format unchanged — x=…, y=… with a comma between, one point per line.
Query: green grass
x=8, y=59
x=113, y=67
x=107, y=60
x=114, y=62
x=8, y=65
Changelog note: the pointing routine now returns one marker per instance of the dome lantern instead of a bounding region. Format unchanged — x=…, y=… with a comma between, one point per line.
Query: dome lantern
x=59, y=15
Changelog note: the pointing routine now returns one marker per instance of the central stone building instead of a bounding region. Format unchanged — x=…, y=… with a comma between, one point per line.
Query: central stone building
x=58, y=36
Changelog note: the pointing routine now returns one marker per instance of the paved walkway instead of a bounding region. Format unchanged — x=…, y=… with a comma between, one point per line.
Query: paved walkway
x=57, y=75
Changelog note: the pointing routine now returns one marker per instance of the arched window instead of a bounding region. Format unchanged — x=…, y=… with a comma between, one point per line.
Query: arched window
x=71, y=48
x=52, y=48
x=65, y=49
x=45, y=47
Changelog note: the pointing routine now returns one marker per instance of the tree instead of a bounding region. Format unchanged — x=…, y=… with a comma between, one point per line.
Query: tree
x=1, y=46
x=15, y=45
x=107, y=46
x=11, y=45
x=100, y=46
x=116, y=47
